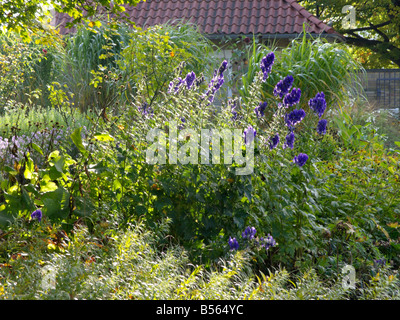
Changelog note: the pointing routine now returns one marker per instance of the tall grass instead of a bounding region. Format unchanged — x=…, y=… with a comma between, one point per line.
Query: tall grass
x=316, y=64
x=87, y=52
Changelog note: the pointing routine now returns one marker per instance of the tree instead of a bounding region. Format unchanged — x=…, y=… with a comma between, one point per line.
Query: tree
x=376, y=32
x=27, y=16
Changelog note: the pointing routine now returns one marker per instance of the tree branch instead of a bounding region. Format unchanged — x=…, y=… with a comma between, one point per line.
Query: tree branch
x=371, y=27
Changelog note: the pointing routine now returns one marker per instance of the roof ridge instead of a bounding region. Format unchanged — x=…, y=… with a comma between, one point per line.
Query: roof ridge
x=310, y=17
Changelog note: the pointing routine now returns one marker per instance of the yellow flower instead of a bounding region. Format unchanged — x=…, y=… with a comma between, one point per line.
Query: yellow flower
x=172, y=54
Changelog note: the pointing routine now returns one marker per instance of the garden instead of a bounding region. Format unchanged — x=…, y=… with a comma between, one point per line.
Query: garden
x=119, y=179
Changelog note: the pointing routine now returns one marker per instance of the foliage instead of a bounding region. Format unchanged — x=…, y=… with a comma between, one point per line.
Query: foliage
x=154, y=53
x=26, y=17
x=376, y=25
x=18, y=61
x=91, y=202
x=109, y=264
x=85, y=66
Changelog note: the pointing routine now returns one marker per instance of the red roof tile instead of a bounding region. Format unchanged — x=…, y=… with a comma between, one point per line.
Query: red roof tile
x=224, y=17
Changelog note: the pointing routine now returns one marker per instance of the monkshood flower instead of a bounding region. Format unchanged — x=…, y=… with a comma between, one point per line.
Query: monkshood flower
x=249, y=135
x=249, y=233
x=283, y=86
x=380, y=262
x=182, y=126
x=274, y=141
x=321, y=126
x=233, y=243
x=145, y=109
x=37, y=215
x=233, y=109
x=266, y=64
x=301, y=159
x=260, y=109
x=289, y=141
x=199, y=80
x=318, y=104
x=222, y=68
x=175, y=85
x=268, y=242
x=294, y=117
x=292, y=98
x=190, y=77
x=216, y=82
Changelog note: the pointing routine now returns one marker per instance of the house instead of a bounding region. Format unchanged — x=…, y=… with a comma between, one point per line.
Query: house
x=281, y=20
x=269, y=20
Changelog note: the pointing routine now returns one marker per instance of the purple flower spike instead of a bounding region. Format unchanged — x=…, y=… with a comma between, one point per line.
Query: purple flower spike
x=318, y=104
x=37, y=215
x=259, y=110
x=233, y=243
x=273, y=142
x=266, y=64
x=289, y=141
x=321, y=126
x=294, y=117
x=283, y=86
x=190, y=77
x=301, y=159
x=268, y=242
x=292, y=98
x=249, y=233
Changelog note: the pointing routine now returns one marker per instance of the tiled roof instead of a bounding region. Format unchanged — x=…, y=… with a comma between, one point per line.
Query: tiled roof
x=224, y=17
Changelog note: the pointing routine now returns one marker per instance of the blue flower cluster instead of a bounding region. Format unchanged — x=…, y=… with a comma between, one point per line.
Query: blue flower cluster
x=300, y=159
x=190, y=77
x=321, y=126
x=216, y=82
x=37, y=215
x=289, y=141
x=232, y=104
x=249, y=235
x=190, y=81
x=146, y=110
x=233, y=243
x=273, y=142
x=267, y=242
x=283, y=86
x=266, y=65
x=294, y=117
x=292, y=98
x=260, y=109
x=318, y=105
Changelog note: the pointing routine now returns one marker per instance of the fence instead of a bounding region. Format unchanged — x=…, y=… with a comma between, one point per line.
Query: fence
x=382, y=87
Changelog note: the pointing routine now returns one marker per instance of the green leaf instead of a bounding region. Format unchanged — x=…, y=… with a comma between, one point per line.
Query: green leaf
x=103, y=137
x=77, y=140
x=36, y=148
x=84, y=206
x=56, y=203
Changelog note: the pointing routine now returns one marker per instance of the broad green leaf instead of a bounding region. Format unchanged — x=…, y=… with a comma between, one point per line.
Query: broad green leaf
x=77, y=140
x=36, y=148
